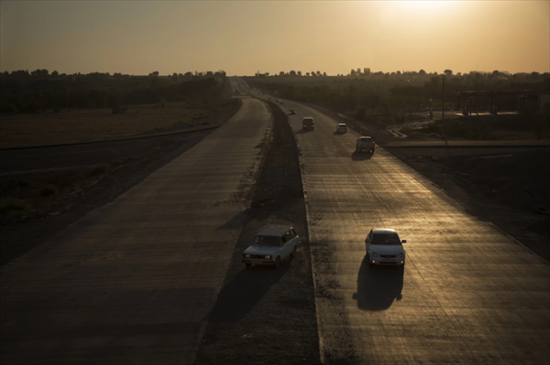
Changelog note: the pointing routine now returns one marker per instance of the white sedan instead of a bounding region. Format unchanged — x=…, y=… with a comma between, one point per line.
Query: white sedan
x=385, y=248
x=341, y=128
x=271, y=246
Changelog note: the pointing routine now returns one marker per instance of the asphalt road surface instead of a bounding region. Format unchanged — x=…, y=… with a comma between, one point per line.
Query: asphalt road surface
x=469, y=294
x=133, y=281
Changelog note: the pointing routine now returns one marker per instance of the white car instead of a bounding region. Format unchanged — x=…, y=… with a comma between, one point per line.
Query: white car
x=365, y=143
x=385, y=248
x=271, y=246
x=341, y=128
x=308, y=123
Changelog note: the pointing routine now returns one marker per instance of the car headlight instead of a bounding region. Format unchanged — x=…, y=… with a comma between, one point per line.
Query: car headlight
x=247, y=256
x=374, y=254
x=402, y=254
x=268, y=257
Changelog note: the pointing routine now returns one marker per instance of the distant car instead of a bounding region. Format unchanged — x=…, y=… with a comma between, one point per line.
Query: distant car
x=308, y=123
x=385, y=248
x=271, y=246
x=365, y=143
x=291, y=112
x=341, y=128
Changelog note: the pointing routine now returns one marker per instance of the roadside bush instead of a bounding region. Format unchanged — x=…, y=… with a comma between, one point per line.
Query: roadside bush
x=13, y=205
x=539, y=126
x=98, y=169
x=360, y=113
x=49, y=190
x=431, y=128
x=9, y=109
x=119, y=109
x=456, y=129
x=479, y=133
x=24, y=183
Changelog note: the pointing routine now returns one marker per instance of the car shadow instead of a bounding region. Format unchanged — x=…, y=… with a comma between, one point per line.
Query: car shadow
x=361, y=156
x=244, y=291
x=378, y=286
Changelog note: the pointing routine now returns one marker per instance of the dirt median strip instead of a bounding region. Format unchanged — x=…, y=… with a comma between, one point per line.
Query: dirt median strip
x=264, y=315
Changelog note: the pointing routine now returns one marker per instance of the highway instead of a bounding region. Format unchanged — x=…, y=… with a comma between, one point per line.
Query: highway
x=134, y=281
x=469, y=294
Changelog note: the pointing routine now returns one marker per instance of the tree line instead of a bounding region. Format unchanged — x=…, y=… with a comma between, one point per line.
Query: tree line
x=31, y=92
x=394, y=94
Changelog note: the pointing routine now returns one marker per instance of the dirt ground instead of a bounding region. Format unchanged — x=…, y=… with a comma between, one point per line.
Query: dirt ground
x=79, y=125
x=43, y=190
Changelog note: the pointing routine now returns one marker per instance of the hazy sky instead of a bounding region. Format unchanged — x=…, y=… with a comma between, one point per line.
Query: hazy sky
x=243, y=37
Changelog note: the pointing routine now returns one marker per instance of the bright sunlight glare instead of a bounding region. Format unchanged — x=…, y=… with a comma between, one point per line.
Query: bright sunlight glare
x=414, y=7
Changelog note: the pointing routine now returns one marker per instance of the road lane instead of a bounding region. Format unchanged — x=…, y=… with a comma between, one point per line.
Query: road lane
x=468, y=294
x=134, y=281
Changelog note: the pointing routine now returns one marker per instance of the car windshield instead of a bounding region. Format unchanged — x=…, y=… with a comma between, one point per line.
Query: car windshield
x=267, y=241
x=386, y=239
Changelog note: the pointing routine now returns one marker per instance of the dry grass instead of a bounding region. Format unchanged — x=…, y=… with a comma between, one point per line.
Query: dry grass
x=11, y=205
x=80, y=125
x=49, y=190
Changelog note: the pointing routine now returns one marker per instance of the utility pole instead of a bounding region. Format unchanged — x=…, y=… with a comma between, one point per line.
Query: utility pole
x=443, y=106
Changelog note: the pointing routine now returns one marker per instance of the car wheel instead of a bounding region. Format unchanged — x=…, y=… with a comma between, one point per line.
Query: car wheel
x=293, y=252
x=277, y=263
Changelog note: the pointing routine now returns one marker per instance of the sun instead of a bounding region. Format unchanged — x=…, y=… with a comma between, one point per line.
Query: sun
x=426, y=7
